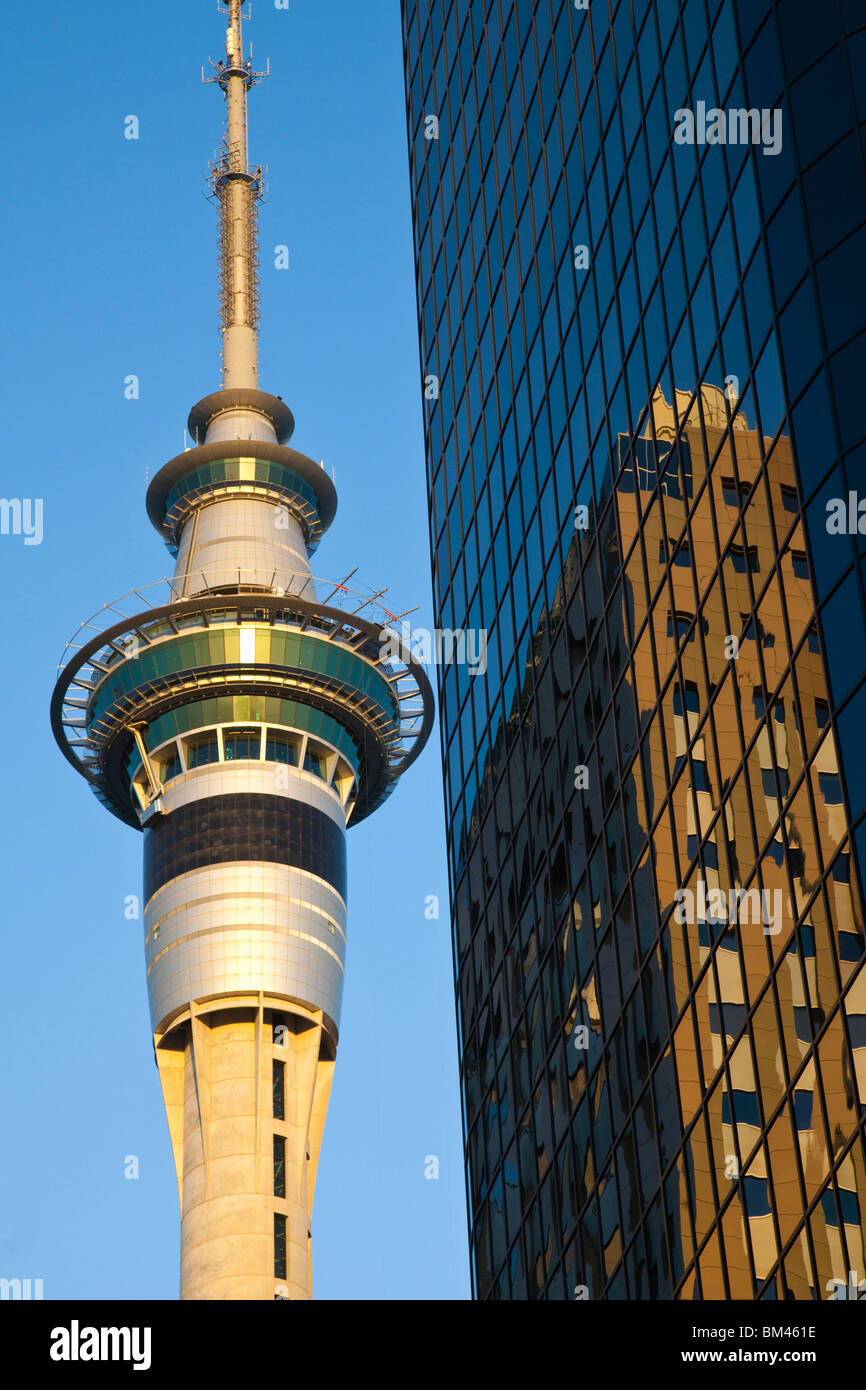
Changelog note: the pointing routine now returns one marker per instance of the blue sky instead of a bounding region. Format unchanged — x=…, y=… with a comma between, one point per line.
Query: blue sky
x=111, y=245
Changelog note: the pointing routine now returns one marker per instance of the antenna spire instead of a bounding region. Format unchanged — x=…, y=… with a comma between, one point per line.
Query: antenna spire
x=238, y=189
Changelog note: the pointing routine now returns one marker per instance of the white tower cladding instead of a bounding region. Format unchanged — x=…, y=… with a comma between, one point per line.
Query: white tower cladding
x=242, y=727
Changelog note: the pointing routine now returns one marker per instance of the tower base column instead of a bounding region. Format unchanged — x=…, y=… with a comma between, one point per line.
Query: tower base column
x=246, y=1083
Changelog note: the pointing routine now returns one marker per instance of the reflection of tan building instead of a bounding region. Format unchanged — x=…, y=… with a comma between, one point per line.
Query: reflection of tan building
x=729, y=784
x=725, y=748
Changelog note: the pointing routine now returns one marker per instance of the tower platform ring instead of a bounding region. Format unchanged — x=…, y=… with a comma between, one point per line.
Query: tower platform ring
x=242, y=397
x=376, y=771
x=306, y=469
x=95, y=660
x=373, y=771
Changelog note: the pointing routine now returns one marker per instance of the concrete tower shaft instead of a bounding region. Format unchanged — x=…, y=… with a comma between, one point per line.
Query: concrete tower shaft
x=255, y=539
x=223, y=1074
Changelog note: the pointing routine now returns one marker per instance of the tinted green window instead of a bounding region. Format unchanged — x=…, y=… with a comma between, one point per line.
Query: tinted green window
x=280, y=749
x=313, y=763
x=227, y=709
x=222, y=646
x=172, y=768
x=242, y=743
x=203, y=751
x=228, y=471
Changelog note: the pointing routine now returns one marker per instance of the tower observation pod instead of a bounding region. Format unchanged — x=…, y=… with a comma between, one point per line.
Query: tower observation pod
x=242, y=715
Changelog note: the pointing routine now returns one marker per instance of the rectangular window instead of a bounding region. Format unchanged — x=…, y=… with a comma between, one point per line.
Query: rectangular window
x=842, y=869
x=822, y=713
x=279, y=748
x=755, y=1196
x=700, y=777
x=734, y=493
x=242, y=744
x=680, y=554
x=760, y=706
x=850, y=945
x=202, y=751
x=170, y=765
x=279, y=1166
x=805, y=934
x=768, y=639
x=831, y=787
x=768, y=782
x=709, y=853
x=743, y=1111
x=850, y=1207
x=280, y=1270
x=279, y=1075
x=789, y=499
x=315, y=764
x=679, y=624
x=743, y=559
x=828, y=1207
x=727, y=1018
x=812, y=640
x=692, y=704
x=800, y=563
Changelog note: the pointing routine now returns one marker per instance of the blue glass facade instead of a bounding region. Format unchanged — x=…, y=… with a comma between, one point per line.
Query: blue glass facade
x=641, y=361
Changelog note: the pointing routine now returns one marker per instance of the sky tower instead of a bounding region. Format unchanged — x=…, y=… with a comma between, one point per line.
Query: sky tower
x=241, y=719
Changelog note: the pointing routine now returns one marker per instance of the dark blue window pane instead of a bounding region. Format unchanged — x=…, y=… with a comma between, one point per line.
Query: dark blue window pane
x=803, y=1101
x=831, y=787
x=755, y=1196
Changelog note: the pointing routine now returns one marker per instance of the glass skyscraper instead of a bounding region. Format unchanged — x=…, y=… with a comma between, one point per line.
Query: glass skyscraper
x=640, y=232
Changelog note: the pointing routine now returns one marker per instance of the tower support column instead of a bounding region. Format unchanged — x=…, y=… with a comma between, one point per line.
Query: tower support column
x=246, y=1083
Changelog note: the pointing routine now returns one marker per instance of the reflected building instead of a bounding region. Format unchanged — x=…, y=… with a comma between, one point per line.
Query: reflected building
x=653, y=791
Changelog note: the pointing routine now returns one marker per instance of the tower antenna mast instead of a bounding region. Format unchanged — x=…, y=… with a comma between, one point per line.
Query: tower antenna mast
x=238, y=189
